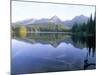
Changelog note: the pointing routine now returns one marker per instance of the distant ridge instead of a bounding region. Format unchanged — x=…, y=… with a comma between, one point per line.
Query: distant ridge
x=54, y=19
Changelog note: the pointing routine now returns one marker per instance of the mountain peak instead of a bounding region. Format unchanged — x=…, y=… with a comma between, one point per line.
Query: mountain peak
x=55, y=17
x=81, y=16
x=79, y=19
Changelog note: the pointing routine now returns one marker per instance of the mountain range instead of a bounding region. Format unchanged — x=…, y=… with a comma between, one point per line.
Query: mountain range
x=54, y=19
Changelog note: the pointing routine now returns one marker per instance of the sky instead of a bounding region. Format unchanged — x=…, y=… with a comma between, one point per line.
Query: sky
x=29, y=10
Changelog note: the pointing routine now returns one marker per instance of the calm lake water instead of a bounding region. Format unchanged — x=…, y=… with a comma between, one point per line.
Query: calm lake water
x=50, y=52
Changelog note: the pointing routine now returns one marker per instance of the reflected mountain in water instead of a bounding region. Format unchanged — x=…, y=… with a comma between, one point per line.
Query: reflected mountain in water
x=56, y=38
x=45, y=38
x=50, y=52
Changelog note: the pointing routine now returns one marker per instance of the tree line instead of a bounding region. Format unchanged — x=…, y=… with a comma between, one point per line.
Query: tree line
x=85, y=28
x=48, y=27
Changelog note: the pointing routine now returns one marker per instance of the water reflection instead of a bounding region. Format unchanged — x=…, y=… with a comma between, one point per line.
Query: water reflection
x=85, y=41
x=47, y=52
x=89, y=43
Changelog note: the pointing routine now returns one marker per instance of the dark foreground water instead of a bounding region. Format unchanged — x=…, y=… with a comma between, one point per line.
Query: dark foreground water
x=50, y=52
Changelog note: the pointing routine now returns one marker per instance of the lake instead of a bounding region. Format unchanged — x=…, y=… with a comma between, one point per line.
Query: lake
x=52, y=52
